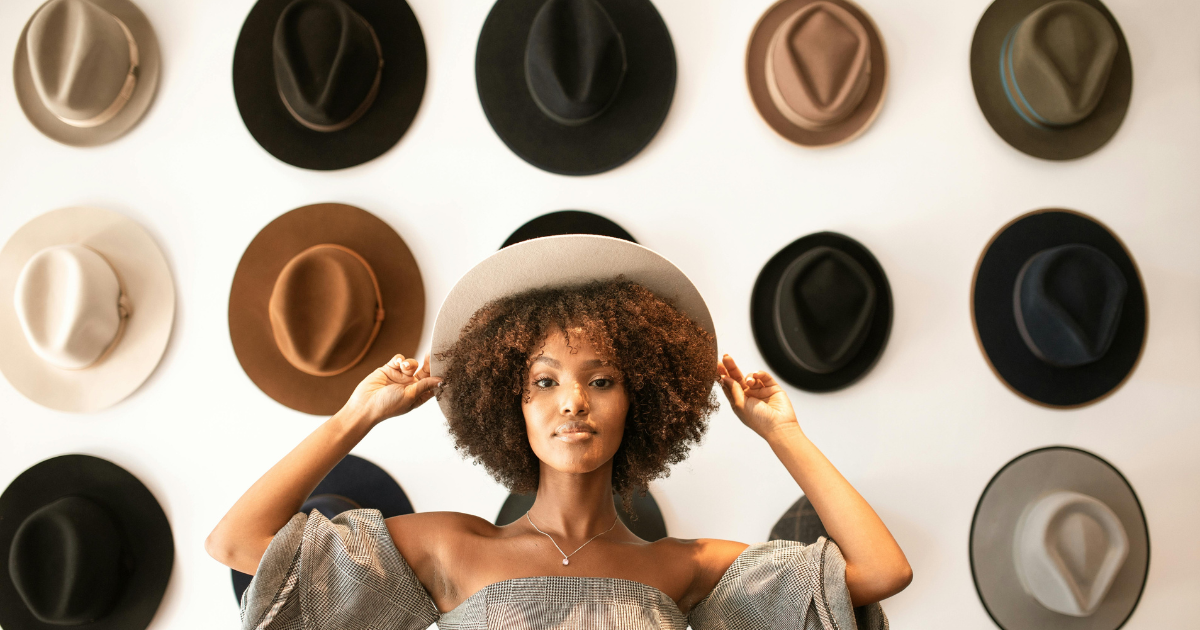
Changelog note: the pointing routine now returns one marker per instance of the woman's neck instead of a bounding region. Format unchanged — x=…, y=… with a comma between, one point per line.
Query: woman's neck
x=574, y=506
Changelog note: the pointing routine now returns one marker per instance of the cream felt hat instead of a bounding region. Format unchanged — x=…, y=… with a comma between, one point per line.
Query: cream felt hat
x=86, y=308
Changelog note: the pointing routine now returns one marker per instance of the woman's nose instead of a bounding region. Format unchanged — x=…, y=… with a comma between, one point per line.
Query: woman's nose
x=575, y=401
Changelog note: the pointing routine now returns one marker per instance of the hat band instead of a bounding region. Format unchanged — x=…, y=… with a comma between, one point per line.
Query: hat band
x=1007, y=77
x=124, y=311
x=362, y=107
x=123, y=96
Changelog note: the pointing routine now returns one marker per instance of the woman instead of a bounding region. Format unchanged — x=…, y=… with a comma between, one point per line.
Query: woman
x=573, y=392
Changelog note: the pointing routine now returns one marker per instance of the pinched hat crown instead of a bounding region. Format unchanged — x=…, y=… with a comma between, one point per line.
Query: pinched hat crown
x=824, y=305
x=575, y=60
x=83, y=61
x=819, y=65
x=1055, y=64
x=328, y=63
x=325, y=310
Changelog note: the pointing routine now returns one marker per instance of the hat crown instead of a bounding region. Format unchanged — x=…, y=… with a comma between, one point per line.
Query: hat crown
x=70, y=305
x=1068, y=302
x=67, y=563
x=1057, y=64
x=1069, y=548
x=328, y=63
x=82, y=61
x=325, y=310
x=329, y=505
x=575, y=60
x=819, y=65
x=824, y=305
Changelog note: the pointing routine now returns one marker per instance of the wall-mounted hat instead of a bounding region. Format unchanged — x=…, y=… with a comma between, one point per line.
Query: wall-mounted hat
x=799, y=523
x=561, y=261
x=567, y=222
x=83, y=544
x=86, y=70
x=821, y=312
x=1059, y=541
x=575, y=87
x=329, y=84
x=817, y=70
x=354, y=484
x=649, y=525
x=1053, y=77
x=88, y=305
x=1059, y=309
x=323, y=296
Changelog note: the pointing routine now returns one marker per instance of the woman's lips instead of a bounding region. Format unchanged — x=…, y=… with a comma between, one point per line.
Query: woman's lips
x=574, y=432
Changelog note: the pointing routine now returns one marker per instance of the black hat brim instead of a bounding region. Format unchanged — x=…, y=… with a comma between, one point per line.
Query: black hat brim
x=146, y=533
x=996, y=325
x=1065, y=143
x=567, y=222
x=762, y=316
x=361, y=481
x=401, y=89
x=610, y=140
x=649, y=525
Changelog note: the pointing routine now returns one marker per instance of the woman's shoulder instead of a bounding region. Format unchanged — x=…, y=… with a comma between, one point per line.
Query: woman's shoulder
x=708, y=558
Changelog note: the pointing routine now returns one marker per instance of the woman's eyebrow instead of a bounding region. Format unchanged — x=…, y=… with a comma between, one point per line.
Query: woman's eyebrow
x=548, y=361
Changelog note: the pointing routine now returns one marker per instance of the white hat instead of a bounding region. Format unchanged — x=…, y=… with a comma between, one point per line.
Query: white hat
x=92, y=305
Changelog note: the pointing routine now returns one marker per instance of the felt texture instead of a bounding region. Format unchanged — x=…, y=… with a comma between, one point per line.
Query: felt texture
x=567, y=222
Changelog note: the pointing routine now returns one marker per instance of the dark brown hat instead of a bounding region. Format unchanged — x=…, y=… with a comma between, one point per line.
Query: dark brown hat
x=817, y=70
x=322, y=296
x=1053, y=77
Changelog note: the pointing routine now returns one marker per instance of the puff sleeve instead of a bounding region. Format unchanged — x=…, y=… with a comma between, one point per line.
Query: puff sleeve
x=785, y=584
x=342, y=574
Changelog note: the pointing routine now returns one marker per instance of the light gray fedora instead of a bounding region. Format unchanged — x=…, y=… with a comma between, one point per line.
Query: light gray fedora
x=86, y=71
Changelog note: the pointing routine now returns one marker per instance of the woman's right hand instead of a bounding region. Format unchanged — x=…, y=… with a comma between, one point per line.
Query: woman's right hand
x=393, y=390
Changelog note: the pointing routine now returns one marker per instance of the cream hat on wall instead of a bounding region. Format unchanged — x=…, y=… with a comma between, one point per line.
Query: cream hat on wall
x=86, y=308
x=86, y=71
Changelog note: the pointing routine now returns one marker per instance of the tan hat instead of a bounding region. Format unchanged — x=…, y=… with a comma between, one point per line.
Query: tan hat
x=92, y=305
x=86, y=70
x=322, y=296
x=817, y=70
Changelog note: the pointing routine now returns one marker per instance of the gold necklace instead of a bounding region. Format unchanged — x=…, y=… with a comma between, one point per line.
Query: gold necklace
x=566, y=556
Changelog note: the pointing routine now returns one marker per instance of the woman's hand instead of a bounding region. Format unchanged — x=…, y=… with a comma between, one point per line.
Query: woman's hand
x=393, y=390
x=759, y=402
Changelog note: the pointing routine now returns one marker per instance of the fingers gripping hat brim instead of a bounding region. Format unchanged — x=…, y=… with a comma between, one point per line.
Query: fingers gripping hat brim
x=149, y=64
x=1064, y=143
x=147, y=282
x=612, y=139
x=401, y=89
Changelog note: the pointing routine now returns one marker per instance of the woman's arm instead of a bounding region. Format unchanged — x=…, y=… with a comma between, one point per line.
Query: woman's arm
x=875, y=566
x=242, y=536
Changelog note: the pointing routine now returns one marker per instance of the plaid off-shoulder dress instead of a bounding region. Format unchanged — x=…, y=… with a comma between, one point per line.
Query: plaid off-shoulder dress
x=346, y=574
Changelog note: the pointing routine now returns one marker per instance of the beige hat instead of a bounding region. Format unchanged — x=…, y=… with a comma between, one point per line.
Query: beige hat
x=92, y=304
x=86, y=70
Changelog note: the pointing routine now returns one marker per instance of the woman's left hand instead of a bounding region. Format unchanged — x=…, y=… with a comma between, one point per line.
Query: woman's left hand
x=759, y=402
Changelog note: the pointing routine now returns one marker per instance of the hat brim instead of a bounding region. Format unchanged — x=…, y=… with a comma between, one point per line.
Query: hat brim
x=149, y=64
x=400, y=89
x=1066, y=143
x=281, y=240
x=1017, y=485
x=649, y=525
x=147, y=534
x=762, y=316
x=567, y=222
x=613, y=138
x=359, y=480
x=996, y=325
x=756, y=77
x=561, y=261
x=146, y=277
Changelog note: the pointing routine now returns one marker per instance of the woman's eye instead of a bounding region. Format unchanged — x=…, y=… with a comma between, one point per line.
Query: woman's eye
x=602, y=382
x=544, y=383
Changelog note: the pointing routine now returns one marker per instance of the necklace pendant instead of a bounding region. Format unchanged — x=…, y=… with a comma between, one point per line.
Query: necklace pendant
x=566, y=562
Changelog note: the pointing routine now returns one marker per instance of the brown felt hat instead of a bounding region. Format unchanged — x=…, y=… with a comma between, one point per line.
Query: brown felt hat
x=322, y=296
x=817, y=70
x=1053, y=77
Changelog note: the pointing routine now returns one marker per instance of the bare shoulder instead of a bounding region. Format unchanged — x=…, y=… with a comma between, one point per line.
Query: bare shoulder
x=420, y=538
x=708, y=558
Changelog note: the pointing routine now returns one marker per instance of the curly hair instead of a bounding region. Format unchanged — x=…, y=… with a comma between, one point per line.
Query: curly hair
x=667, y=362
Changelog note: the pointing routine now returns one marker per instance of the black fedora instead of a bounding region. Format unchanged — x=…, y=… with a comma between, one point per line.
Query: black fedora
x=799, y=523
x=354, y=484
x=329, y=84
x=567, y=222
x=1058, y=308
x=648, y=526
x=575, y=87
x=821, y=312
x=82, y=543
x=1053, y=77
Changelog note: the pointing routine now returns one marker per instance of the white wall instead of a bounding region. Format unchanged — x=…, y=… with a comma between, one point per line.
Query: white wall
x=717, y=192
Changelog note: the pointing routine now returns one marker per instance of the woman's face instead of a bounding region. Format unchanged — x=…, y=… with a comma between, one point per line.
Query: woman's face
x=575, y=413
